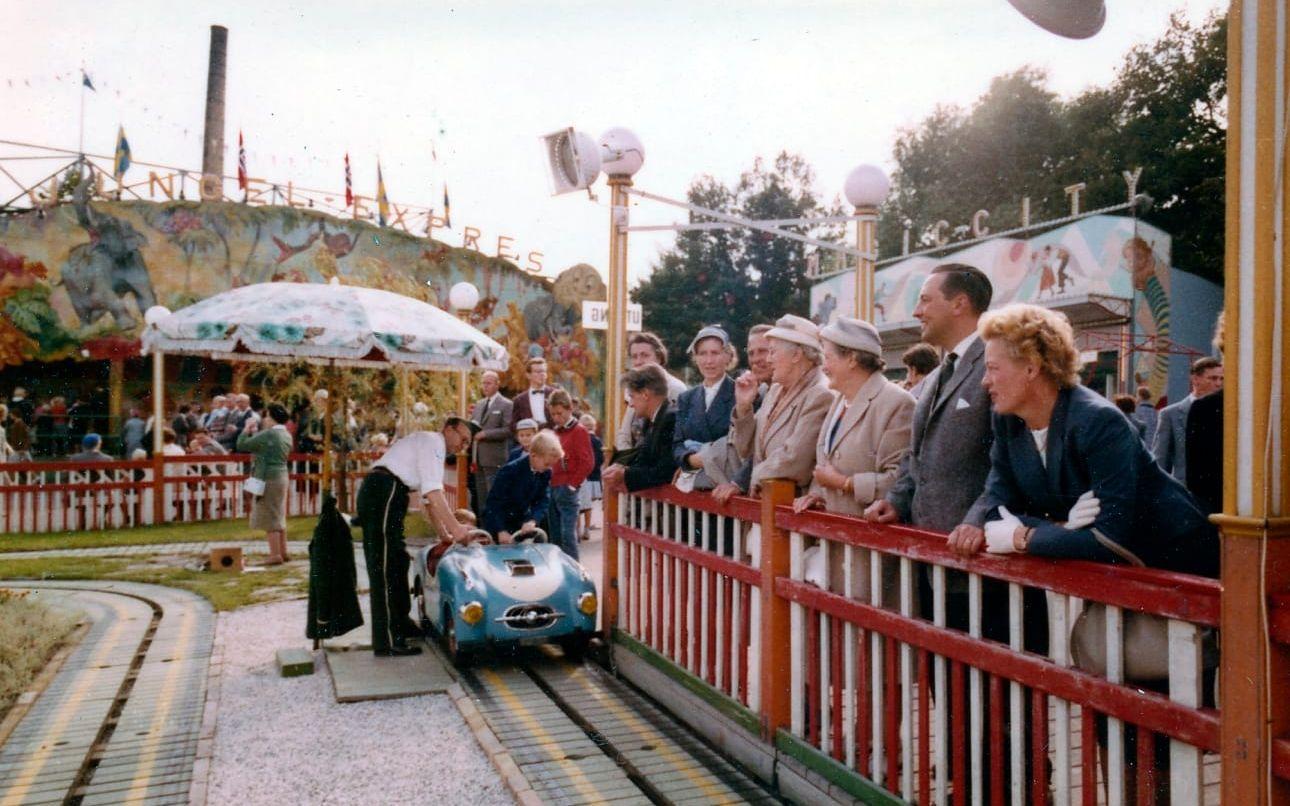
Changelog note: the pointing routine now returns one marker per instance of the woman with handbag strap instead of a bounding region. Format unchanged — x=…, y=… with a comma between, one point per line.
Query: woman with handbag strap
x=1070, y=478
x=270, y=444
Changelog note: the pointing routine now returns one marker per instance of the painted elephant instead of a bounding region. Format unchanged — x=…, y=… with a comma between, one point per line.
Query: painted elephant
x=99, y=274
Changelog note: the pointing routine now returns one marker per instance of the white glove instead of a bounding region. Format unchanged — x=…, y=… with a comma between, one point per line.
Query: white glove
x=1084, y=511
x=998, y=534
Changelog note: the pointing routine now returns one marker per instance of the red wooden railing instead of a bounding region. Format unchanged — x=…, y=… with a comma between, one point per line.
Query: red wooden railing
x=860, y=674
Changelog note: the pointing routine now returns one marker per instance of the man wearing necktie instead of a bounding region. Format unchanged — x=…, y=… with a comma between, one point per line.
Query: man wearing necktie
x=493, y=442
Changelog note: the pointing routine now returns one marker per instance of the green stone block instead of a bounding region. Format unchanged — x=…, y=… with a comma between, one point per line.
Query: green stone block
x=295, y=662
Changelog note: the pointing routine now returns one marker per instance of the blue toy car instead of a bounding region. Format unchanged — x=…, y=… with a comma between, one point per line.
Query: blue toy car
x=482, y=595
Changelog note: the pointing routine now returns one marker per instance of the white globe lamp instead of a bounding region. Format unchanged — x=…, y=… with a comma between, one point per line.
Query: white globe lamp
x=463, y=297
x=867, y=186
x=621, y=152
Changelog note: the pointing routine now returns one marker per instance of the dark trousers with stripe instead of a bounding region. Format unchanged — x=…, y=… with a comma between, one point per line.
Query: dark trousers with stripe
x=382, y=505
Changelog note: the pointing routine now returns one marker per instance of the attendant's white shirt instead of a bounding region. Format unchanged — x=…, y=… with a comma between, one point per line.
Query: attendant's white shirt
x=537, y=404
x=417, y=460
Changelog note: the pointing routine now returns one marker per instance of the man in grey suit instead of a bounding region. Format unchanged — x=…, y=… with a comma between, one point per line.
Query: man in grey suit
x=943, y=475
x=941, y=485
x=493, y=442
x=1170, y=446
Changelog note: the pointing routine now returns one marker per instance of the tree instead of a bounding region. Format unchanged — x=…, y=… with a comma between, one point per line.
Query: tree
x=735, y=277
x=1164, y=111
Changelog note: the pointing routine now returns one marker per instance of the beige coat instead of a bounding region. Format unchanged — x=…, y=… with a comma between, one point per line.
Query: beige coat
x=871, y=440
x=784, y=448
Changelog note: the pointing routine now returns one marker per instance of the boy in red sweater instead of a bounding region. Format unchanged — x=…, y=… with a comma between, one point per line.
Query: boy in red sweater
x=568, y=474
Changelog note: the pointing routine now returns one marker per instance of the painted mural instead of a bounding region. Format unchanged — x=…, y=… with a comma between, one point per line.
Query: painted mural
x=1110, y=256
x=75, y=279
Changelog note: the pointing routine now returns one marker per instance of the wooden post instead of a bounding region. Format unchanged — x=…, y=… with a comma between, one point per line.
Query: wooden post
x=463, y=480
x=158, y=422
x=1256, y=481
x=116, y=387
x=776, y=626
x=326, y=446
x=609, y=562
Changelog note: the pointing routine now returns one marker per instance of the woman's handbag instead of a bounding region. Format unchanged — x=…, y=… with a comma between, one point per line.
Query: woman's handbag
x=1145, y=641
x=253, y=486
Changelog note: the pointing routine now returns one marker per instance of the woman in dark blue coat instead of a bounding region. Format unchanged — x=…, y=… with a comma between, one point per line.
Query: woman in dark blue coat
x=1069, y=476
x=518, y=500
x=703, y=411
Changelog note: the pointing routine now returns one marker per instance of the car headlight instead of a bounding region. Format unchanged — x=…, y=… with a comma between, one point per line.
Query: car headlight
x=472, y=613
x=587, y=603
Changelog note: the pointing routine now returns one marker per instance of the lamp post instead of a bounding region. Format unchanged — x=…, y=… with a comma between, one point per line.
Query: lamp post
x=463, y=297
x=866, y=188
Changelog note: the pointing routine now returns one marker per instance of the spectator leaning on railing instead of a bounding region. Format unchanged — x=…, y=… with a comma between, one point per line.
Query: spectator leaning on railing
x=780, y=437
x=1068, y=475
x=644, y=348
x=759, y=366
x=1070, y=478
x=703, y=412
x=652, y=463
x=866, y=432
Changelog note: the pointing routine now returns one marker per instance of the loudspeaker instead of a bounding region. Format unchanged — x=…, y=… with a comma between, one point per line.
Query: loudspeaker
x=1074, y=19
x=228, y=559
x=572, y=158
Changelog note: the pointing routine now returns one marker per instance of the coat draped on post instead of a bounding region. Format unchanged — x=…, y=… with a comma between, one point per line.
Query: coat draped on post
x=333, y=583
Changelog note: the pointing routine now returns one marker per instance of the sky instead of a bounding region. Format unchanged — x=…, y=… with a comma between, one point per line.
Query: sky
x=706, y=86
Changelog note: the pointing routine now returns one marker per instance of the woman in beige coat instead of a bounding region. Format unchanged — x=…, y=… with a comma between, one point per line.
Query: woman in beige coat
x=780, y=437
x=866, y=432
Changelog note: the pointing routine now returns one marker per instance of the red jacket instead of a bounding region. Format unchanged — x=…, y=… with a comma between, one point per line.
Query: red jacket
x=578, y=462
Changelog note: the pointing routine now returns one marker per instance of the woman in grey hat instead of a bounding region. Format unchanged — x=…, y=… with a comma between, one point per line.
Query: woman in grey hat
x=866, y=432
x=780, y=437
x=703, y=411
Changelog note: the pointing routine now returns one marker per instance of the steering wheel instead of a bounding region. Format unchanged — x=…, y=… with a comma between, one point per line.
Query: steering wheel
x=535, y=534
x=474, y=536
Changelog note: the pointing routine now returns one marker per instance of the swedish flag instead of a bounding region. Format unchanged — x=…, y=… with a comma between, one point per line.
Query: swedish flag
x=382, y=202
x=121, y=161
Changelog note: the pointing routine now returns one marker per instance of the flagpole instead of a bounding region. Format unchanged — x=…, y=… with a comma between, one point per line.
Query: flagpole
x=81, y=147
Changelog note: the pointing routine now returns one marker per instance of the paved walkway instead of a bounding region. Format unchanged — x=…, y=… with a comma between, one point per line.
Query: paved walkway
x=121, y=720
x=297, y=548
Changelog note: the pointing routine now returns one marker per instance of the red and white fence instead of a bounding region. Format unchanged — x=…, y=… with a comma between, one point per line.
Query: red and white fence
x=39, y=497
x=892, y=691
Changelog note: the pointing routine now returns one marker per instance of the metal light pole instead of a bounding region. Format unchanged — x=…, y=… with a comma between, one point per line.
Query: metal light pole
x=616, y=335
x=463, y=297
x=866, y=188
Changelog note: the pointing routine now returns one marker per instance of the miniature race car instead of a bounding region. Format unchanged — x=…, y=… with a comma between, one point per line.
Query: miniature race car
x=480, y=594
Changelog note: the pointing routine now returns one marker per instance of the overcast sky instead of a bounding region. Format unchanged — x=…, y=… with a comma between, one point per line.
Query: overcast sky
x=707, y=86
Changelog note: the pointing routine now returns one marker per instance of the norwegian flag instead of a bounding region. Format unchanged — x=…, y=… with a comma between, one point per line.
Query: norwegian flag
x=349, y=183
x=241, y=163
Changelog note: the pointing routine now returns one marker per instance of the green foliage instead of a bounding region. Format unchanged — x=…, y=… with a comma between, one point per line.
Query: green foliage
x=1164, y=111
x=735, y=277
x=30, y=311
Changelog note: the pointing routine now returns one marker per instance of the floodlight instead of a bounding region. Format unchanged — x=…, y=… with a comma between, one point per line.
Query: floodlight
x=573, y=159
x=1073, y=19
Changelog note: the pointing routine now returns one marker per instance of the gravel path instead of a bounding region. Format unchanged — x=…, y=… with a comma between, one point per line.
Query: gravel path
x=287, y=740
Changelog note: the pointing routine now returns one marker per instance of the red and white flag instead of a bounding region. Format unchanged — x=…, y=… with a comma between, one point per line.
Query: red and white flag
x=241, y=162
x=349, y=183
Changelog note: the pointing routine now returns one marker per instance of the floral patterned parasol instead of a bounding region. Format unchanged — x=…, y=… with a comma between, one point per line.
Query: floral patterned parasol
x=319, y=323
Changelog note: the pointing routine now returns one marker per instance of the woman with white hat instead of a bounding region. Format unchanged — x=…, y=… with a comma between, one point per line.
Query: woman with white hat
x=780, y=437
x=866, y=432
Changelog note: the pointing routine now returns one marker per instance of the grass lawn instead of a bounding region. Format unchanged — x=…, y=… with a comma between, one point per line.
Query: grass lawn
x=211, y=531
x=224, y=591
x=29, y=634
x=302, y=528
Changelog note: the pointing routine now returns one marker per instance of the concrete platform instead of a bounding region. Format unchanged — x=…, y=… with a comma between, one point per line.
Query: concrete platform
x=359, y=675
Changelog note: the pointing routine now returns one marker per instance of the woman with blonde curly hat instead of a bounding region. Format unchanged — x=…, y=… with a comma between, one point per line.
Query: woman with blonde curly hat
x=1069, y=476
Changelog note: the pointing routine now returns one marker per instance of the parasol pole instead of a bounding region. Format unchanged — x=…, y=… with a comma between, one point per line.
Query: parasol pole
x=326, y=458
x=404, y=411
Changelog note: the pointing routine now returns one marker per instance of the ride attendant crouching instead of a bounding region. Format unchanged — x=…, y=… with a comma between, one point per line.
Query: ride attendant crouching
x=415, y=462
